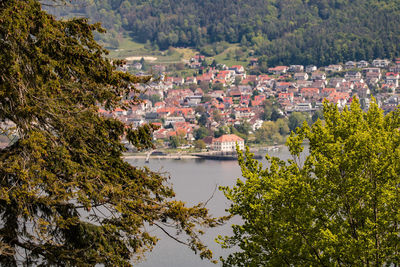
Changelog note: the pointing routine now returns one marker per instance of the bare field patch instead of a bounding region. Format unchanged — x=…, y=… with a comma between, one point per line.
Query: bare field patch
x=147, y=58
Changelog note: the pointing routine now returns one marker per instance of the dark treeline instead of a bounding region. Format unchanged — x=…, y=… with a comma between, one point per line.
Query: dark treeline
x=286, y=31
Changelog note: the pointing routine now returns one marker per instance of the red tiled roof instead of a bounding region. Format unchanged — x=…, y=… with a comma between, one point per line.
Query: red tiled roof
x=228, y=138
x=228, y=99
x=310, y=90
x=278, y=68
x=391, y=74
x=264, y=77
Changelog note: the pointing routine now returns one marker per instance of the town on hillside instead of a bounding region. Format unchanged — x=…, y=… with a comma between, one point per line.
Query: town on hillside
x=258, y=108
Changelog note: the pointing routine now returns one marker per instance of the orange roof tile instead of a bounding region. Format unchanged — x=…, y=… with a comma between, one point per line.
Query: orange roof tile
x=228, y=138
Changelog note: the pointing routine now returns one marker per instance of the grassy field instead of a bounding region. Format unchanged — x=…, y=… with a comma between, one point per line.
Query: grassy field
x=223, y=57
x=129, y=48
x=187, y=53
x=186, y=73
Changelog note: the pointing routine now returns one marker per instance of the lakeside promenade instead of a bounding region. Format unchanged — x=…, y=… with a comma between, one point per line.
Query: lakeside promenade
x=214, y=155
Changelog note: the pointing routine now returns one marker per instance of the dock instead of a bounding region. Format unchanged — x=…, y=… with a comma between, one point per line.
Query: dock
x=221, y=156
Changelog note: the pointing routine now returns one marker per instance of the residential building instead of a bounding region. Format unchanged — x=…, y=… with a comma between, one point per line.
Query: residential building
x=318, y=75
x=303, y=107
x=296, y=68
x=278, y=70
x=380, y=63
x=227, y=143
x=301, y=76
x=350, y=65
x=362, y=64
x=238, y=69
x=309, y=92
x=334, y=68
x=311, y=68
x=351, y=75
x=392, y=78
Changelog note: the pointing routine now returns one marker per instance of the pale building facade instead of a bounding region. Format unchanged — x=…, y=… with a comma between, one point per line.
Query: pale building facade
x=227, y=143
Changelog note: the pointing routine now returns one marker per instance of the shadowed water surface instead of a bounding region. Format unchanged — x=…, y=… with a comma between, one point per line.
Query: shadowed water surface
x=195, y=181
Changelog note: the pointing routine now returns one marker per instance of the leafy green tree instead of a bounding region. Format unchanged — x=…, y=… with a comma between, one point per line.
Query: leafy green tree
x=255, y=93
x=205, y=86
x=201, y=132
x=318, y=114
x=214, y=63
x=221, y=131
x=200, y=109
x=270, y=110
x=217, y=115
x=237, y=81
x=145, y=65
x=203, y=119
x=283, y=127
x=275, y=115
x=296, y=119
x=174, y=141
x=199, y=144
x=67, y=197
x=244, y=41
x=244, y=127
x=193, y=87
x=338, y=205
x=155, y=98
x=266, y=132
x=239, y=54
x=218, y=86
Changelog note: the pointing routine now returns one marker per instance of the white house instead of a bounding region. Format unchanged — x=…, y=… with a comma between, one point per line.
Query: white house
x=350, y=65
x=362, y=64
x=173, y=120
x=334, y=68
x=318, y=75
x=301, y=76
x=303, y=107
x=311, y=68
x=380, y=63
x=392, y=78
x=227, y=143
x=296, y=68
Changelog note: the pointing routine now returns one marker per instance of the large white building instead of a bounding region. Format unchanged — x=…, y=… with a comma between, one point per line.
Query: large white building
x=227, y=143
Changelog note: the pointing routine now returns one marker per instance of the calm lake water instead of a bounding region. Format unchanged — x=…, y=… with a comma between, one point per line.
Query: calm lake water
x=194, y=181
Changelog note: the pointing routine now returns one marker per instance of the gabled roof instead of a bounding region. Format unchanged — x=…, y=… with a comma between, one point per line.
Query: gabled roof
x=278, y=68
x=228, y=138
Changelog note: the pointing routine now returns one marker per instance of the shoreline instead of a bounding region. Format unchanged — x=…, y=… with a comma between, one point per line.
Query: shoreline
x=172, y=156
x=192, y=155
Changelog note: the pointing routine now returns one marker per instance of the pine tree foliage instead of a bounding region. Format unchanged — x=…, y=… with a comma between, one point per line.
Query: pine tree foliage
x=67, y=197
x=338, y=206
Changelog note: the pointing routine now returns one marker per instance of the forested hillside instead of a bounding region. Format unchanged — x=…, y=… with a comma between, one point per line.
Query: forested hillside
x=286, y=31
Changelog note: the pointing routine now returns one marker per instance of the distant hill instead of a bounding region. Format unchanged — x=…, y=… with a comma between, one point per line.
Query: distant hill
x=286, y=31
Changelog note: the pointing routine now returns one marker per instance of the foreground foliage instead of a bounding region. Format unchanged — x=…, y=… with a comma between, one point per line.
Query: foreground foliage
x=339, y=205
x=67, y=197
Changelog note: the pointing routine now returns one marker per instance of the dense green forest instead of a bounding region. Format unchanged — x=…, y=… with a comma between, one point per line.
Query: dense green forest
x=286, y=31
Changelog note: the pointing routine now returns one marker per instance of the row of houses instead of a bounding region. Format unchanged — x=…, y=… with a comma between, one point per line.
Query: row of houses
x=294, y=87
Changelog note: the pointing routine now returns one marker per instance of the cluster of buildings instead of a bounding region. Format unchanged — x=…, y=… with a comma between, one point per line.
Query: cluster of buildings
x=241, y=97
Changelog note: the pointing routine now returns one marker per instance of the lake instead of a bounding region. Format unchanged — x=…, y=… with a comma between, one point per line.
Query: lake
x=194, y=181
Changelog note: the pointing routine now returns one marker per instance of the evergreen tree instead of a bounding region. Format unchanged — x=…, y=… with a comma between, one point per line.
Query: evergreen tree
x=67, y=197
